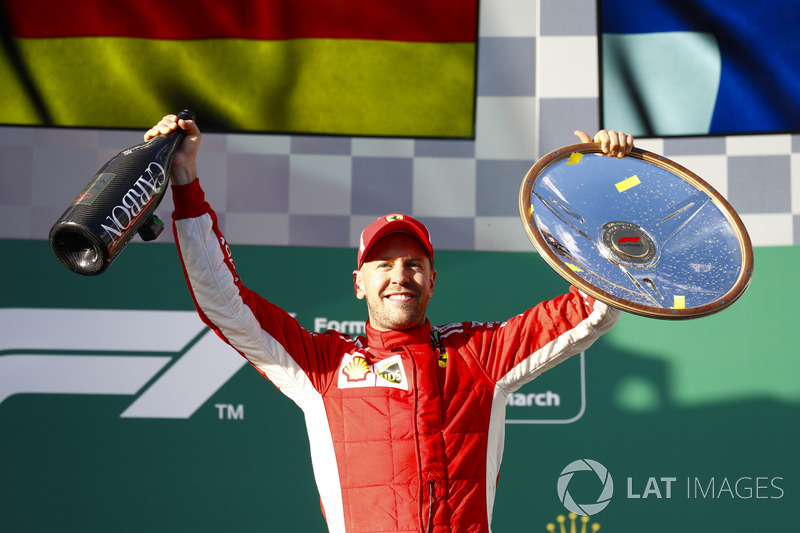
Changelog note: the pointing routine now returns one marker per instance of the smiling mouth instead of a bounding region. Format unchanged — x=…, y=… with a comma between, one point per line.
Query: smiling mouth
x=399, y=297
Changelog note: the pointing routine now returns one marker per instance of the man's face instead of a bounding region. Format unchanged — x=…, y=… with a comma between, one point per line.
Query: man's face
x=396, y=279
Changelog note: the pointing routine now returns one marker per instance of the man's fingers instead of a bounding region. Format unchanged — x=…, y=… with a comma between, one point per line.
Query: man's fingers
x=164, y=126
x=603, y=138
x=614, y=143
x=628, y=143
x=583, y=136
x=621, y=143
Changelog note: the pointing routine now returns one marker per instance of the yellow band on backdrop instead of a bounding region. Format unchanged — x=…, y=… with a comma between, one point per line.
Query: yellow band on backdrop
x=339, y=86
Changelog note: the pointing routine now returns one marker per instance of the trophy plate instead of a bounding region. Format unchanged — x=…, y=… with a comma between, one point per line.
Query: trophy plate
x=641, y=233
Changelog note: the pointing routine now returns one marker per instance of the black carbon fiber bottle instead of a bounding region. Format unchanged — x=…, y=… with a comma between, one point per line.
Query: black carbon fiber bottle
x=116, y=204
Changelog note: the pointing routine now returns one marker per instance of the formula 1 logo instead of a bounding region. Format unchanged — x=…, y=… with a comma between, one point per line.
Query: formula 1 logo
x=169, y=361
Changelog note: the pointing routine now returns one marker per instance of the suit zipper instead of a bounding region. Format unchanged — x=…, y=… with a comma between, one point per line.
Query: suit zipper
x=431, y=484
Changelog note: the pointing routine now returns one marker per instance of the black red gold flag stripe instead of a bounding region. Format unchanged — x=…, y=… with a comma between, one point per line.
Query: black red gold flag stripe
x=356, y=67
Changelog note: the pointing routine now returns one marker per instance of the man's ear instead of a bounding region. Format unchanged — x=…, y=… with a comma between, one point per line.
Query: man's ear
x=358, y=285
x=433, y=280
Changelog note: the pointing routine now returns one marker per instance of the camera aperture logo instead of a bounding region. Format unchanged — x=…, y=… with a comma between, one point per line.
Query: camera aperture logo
x=585, y=468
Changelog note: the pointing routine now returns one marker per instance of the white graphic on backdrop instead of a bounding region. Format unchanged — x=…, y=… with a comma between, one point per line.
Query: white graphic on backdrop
x=77, y=351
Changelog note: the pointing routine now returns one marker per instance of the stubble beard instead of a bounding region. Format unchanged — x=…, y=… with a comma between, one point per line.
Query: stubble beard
x=397, y=318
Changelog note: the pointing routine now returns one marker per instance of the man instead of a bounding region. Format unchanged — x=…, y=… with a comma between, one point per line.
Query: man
x=406, y=423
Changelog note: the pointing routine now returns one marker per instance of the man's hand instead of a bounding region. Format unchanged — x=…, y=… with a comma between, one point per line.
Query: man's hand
x=612, y=143
x=184, y=166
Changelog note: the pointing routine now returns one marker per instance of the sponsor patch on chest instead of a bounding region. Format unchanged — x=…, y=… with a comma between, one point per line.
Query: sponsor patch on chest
x=356, y=372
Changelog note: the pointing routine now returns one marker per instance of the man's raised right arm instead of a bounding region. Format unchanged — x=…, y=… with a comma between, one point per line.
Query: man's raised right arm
x=272, y=340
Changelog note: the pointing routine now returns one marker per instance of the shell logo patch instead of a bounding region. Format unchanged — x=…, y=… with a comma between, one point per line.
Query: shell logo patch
x=356, y=372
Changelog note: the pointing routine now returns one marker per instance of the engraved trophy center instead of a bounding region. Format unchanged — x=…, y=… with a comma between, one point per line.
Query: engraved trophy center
x=628, y=242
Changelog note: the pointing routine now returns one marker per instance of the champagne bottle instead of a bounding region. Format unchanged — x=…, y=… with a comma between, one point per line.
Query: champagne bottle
x=118, y=203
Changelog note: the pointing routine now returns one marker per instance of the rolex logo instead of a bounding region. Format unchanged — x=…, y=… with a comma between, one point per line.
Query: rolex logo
x=585, y=525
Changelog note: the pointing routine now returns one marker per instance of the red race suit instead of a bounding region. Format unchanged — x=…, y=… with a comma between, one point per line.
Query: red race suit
x=406, y=428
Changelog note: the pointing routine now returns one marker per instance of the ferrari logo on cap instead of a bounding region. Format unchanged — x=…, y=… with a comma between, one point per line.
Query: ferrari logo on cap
x=395, y=216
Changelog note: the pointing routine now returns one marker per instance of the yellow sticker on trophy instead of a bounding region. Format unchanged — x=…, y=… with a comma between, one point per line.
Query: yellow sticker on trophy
x=574, y=158
x=574, y=268
x=679, y=302
x=626, y=184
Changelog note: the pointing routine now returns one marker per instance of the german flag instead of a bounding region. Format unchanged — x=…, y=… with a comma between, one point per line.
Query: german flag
x=349, y=67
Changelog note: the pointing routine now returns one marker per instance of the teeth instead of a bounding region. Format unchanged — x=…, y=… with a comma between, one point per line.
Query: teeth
x=398, y=297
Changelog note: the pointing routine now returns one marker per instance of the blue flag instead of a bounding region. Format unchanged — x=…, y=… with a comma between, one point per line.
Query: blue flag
x=693, y=67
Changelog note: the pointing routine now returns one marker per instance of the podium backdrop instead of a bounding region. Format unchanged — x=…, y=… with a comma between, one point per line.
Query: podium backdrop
x=120, y=411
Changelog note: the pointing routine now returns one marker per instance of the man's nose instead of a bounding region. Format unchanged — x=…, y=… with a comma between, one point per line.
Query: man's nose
x=400, y=274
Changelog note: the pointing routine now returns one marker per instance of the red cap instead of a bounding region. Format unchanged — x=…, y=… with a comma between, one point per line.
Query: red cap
x=393, y=223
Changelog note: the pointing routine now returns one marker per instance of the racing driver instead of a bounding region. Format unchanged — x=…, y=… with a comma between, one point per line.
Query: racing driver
x=425, y=403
